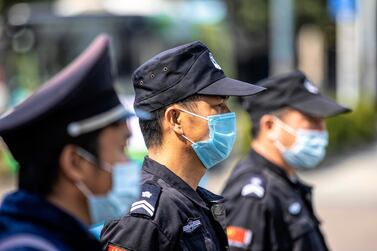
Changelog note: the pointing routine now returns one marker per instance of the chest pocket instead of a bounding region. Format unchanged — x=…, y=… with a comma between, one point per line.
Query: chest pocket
x=193, y=241
x=300, y=222
x=298, y=219
x=301, y=227
x=195, y=237
x=306, y=235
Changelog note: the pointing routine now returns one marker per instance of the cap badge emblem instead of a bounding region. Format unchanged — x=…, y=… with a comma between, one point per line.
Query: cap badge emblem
x=310, y=87
x=217, y=66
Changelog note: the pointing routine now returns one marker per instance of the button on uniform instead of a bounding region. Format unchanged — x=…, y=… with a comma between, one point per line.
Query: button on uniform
x=268, y=211
x=169, y=215
x=268, y=207
x=179, y=216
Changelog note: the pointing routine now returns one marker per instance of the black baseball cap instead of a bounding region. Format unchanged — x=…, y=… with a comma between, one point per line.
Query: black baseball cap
x=78, y=100
x=291, y=90
x=181, y=72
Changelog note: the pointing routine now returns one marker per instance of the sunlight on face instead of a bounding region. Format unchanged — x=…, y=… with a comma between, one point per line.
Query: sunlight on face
x=197, y=128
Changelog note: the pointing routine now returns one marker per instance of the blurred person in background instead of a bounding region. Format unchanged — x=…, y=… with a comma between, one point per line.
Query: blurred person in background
x=190, y=130
x=69, y=139
x=268, y=206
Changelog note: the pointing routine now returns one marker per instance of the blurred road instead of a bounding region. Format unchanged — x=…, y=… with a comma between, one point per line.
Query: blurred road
x=346, y=198
x=345, y=195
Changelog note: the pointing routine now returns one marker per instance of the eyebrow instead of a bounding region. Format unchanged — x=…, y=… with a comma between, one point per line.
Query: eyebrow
x=222, y=98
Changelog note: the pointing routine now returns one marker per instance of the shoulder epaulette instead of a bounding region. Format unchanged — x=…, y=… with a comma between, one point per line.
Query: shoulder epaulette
x=146, y=205
x=255, y=186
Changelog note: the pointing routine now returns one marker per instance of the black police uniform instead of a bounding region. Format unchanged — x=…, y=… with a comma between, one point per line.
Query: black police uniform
x=29, y=222
x=78, y=100
x=274, y=210
x=169, y=215
x=266, y=209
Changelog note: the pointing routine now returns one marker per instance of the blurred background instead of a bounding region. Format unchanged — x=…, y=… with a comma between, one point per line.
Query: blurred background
x=332, y=41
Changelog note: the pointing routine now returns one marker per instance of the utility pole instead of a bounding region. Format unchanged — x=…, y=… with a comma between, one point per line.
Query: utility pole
x=282, y=36
x=347, y=53
x=367, y=49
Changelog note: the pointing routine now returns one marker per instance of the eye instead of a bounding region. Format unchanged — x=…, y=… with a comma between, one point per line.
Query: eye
x=223, y=105
x=221, y=108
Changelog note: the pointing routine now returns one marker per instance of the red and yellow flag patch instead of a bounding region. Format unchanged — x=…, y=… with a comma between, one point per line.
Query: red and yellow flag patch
x=112, y=247
x=238, y=236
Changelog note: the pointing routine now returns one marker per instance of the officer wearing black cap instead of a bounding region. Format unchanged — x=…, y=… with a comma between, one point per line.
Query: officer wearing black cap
x=65, y=137
x=268, y=206
x=190, y=130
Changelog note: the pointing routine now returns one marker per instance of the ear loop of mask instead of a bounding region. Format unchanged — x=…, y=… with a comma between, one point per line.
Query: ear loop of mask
x=189, y=140
x=93, y=160
x=89, y=157
x=84, y=189
x=286, y=128
x=193, y=114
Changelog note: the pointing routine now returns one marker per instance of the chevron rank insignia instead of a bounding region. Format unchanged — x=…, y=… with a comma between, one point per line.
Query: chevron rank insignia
x=255, y=187
x=146, y=205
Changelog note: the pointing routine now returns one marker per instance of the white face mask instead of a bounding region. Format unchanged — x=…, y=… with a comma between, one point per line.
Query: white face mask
x=308, y=150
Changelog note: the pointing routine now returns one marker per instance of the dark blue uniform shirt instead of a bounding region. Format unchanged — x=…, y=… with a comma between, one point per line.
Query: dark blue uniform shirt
x=29, y=222
x=268, y=211
x=169, y=215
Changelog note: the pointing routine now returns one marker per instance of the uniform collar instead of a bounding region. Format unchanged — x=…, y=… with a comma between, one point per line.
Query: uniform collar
x=201, y=196
x=265, y=163
x=46, y=215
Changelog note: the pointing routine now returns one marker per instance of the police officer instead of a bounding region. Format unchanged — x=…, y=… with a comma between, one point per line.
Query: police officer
x=190, y=130
x=268, y=206
x=66, y=138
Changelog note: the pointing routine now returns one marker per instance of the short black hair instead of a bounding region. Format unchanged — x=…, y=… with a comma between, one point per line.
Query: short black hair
x=256, y=121
x=152, y=129
x=39, y=175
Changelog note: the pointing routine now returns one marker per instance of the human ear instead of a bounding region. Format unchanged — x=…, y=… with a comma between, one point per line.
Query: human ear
x=173, y=117
x=268, y=127
x=71, y=165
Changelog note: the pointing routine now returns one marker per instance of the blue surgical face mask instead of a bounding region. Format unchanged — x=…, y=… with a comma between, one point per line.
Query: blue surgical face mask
x=308, y=150
x=125, y=190
x=222, y=135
